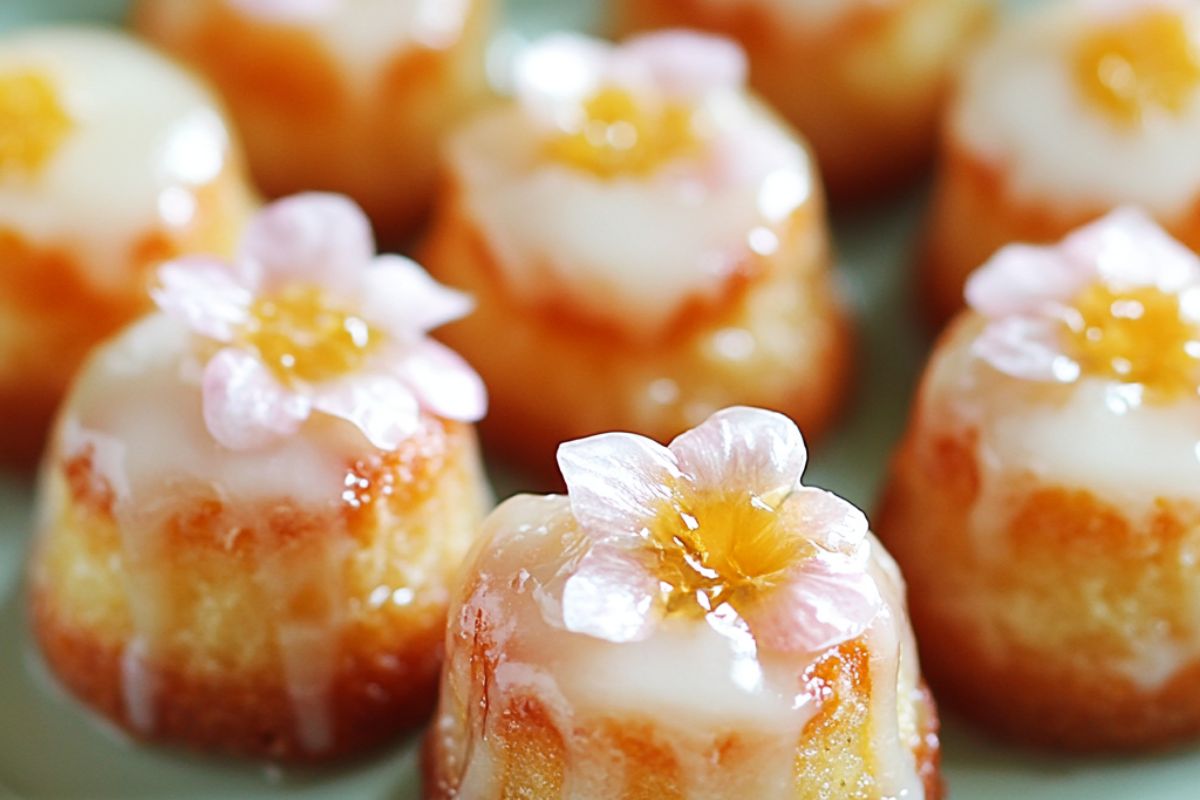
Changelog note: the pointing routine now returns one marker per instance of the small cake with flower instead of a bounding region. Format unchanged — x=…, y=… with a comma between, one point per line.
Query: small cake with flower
x=689, y=621
x=350, y=96
x=1066, y=114
x=255, y=498
x=647, y=244
x=863, y=80
x=1045, y=504
x=111, y=160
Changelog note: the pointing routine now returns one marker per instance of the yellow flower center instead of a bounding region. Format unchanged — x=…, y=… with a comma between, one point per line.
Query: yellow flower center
x=621, y=136
x=721, y=549
x=300, y=336
x=1135, y=336
x=33, y=122
x=1131, y=67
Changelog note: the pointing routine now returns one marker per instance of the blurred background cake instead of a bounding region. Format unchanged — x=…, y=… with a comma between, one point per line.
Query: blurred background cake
x=1071, y=110
x=646, y=242
x=112, y=159
x=863, y=80
x=350, y=96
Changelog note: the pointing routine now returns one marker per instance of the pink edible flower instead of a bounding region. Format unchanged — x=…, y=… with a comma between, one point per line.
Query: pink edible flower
x=621, y=484
x=1027, y=292
x=558, y=73
x=322, y=241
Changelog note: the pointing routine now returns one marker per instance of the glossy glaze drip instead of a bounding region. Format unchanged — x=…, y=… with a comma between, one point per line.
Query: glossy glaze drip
x=695, y=686
x=167, y=475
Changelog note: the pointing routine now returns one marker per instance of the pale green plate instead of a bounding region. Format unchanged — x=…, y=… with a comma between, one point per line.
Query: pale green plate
x=49, y=748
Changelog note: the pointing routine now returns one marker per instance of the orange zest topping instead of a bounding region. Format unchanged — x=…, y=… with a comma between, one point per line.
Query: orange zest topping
x=301, y=337
x=1135, y=66
x=619, y=135
x=721, y=549
x=1135, y=336
x=33, y=122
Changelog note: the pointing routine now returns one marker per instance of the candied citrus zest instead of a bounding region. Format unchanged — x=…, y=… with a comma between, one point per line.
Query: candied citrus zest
x=619, y=135
x=1132, y=67
x=722, y=548
x=1135, y=336
x=33, y=122
x=301, y=336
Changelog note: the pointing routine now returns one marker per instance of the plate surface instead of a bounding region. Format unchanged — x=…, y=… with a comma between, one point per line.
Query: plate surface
x=49, y=748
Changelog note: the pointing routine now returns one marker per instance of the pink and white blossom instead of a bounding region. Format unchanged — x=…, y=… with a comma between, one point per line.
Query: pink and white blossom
x=557, y=74
x=1027, y=293
x=619, y=484
x=322, y=241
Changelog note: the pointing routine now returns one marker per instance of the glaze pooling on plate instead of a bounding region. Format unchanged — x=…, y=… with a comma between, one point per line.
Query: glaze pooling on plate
x=541, y=175
x=1090, y=104
x=640, y=603
x=287, y=414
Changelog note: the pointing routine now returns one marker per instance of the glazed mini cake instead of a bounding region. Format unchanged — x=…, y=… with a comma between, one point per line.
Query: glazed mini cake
x=689, y=622
x=111, y=160
x=1074, y=110
x=863, y=80
x=1045, y=504
x=255, y=499
x=647, y=244
x=350, y=96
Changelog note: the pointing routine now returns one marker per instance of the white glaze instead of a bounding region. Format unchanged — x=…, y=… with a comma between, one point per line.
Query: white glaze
x=145, y=137
x=630, y=251
x=692, y=684
x=1019, y=108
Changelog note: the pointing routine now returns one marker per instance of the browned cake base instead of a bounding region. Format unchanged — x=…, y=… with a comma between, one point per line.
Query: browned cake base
x=1028, y=640
x=376, y=579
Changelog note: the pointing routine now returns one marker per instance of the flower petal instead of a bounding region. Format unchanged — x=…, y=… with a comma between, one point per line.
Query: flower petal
x=744, y=449
x=324, y=239
x=245, y=407
x=1128, y=248
x=825, y=601
x=1024, y=279
x=379, y=405
x=400, y=297
x=443, y=382
x=617, y=483
x=610, y=596
x=684, y=64
x=824, y=518
x=1026, y=347
x=204, y=294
